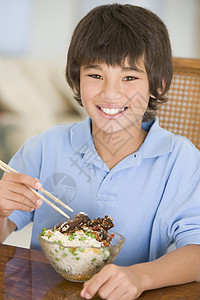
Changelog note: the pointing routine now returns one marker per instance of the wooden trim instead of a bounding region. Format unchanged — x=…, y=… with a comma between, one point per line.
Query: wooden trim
x=181, y=114
x=191, y=64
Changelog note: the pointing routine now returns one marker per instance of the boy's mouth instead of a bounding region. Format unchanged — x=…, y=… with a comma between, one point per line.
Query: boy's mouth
x=112, y=111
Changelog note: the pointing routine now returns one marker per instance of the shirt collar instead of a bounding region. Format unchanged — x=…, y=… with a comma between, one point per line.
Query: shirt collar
x=158, y=140
x=82, y=142
x=81, y=136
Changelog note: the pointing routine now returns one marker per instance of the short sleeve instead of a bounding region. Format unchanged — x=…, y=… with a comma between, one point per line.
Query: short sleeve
x=181, y=222
x=21, y=218
x=24, y=162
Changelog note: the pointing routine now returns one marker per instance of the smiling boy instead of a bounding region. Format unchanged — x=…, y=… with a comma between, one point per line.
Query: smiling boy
x=108, y=96
x=122, y=162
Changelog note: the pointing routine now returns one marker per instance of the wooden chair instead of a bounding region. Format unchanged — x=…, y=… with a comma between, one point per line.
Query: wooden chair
x=181, y=114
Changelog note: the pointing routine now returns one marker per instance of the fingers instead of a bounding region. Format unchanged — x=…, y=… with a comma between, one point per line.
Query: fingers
x=21, y=201
x=118, y=289
x=112, y=283
x=18, y=192
x=95, y=283
x=15, y=193
x=23, y=179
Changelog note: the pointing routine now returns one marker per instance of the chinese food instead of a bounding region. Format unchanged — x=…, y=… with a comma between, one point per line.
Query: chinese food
x=80, y=246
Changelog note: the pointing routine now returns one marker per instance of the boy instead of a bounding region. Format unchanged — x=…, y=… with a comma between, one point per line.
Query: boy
x=118, y=161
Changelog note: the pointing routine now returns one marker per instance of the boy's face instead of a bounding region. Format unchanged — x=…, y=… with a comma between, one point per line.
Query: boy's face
x=115, y=98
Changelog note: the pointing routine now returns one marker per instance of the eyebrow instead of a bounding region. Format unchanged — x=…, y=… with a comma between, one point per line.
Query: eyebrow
x=87, y=67
x=132, y=69
x=124, y=69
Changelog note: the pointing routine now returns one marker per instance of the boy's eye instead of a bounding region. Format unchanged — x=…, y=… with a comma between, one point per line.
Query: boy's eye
x=96, y=76
x=129, y=78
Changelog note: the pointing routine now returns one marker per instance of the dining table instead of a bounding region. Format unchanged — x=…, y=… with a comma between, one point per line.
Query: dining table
x=27, y=274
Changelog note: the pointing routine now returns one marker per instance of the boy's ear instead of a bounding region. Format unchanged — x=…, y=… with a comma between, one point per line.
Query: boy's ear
x=75, y=90
x=159, y=93
x=160, y=90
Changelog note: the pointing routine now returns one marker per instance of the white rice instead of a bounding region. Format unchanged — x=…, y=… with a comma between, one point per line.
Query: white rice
x=52, y=236
x=77, y=263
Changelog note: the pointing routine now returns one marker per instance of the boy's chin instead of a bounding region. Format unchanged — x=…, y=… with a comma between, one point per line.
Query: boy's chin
x=113, y=127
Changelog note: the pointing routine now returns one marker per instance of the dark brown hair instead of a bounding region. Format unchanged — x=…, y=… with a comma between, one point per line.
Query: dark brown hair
x=112, y=33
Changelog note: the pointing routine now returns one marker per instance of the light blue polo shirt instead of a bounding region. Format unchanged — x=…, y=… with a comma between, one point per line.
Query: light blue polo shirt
x=153, y=195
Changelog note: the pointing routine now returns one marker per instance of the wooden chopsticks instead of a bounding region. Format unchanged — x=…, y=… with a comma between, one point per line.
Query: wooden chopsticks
x=8, y=169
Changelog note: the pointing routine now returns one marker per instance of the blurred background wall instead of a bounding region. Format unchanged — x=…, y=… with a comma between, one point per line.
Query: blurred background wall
x=34, y=37
x=43, y=28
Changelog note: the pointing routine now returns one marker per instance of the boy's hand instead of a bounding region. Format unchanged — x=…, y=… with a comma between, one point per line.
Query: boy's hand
x=113, y=283
x=14, y=193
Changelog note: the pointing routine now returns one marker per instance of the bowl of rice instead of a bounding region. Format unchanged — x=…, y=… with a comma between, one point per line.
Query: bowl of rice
x=80, y=247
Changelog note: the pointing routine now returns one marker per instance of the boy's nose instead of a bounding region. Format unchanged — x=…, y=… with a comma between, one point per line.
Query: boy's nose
x=111, y=91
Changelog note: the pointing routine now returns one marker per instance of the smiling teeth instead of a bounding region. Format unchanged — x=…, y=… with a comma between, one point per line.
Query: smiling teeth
x=112, y=111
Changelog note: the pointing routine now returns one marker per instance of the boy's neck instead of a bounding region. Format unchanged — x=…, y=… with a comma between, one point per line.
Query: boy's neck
x=114, y=147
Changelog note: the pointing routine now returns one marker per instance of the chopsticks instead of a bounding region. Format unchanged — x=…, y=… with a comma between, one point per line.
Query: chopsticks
x=8, y=169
